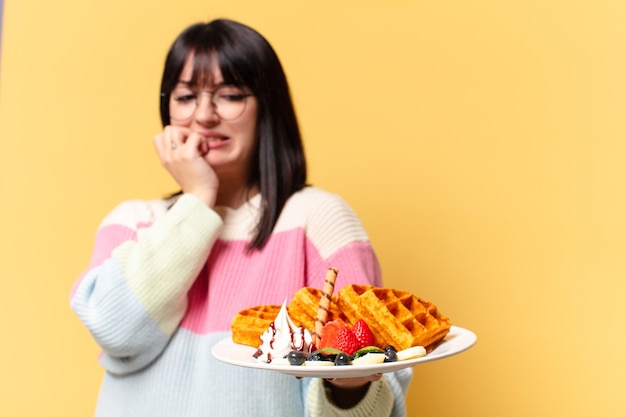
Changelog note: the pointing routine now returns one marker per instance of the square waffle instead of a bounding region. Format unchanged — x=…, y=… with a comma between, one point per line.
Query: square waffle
x=249, y=324
x=395, y=317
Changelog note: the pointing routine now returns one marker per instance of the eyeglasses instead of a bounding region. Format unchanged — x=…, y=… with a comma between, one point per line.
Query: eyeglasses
x=227, y=101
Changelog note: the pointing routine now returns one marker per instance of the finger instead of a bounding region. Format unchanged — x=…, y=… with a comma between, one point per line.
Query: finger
x=157, y=141
x=197, y=142
x=194, y=142
x=166, y=143
x=375, y=377
x=174, y=137
x=204, y=146
x=159, y=144
x=357, y=382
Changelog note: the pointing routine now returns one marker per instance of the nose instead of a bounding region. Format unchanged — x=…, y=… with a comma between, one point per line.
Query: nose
x=205, y=109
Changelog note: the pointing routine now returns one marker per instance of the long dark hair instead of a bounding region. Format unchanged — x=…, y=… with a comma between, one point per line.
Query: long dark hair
x=245, y=58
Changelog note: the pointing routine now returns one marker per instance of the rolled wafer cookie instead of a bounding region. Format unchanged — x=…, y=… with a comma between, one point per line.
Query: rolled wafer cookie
x=324, y=305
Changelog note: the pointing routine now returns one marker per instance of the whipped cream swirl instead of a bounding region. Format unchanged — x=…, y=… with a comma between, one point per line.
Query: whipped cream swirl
x=281, y=337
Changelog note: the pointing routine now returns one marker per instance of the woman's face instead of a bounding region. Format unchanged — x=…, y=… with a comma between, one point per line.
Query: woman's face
x=225, y=115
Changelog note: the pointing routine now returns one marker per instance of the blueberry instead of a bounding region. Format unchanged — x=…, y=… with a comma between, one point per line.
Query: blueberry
x=390, y=355
x=343, y=359
x=296, y=358
x=389, y=347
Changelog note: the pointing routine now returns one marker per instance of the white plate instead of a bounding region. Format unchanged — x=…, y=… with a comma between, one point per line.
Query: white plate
x=456, y=341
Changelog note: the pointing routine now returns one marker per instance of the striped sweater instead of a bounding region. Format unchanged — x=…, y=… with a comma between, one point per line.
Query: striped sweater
x=163, y=285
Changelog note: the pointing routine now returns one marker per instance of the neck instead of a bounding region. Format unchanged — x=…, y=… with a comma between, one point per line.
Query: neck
x=234, y=194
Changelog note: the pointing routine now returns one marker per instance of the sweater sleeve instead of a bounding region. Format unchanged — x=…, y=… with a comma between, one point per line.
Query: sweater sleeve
x=384, y=398
x=135, y=293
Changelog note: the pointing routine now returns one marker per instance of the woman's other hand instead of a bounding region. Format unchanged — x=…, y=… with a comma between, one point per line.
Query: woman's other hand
x=347, y=392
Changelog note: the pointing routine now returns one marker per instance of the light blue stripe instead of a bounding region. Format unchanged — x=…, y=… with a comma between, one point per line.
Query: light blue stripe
x=117, y=320
x=186, y=380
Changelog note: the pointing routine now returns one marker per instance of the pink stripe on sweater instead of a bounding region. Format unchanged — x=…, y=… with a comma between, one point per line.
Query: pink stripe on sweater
x=235, y=281
x=108, y=238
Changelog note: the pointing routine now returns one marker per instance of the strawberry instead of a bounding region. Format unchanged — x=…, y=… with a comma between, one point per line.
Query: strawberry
x=346, y=341
x=363, y=334
x=329, y=332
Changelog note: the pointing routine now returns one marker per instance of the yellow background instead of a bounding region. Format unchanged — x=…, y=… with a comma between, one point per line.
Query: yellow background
x=481, y=142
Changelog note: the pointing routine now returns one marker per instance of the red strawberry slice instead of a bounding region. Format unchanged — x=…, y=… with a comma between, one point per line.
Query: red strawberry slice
x=363, y=334
x=346, y=341
x=329, y=332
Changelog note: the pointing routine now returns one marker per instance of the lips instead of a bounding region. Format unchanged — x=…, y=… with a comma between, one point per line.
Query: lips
x=215, y=140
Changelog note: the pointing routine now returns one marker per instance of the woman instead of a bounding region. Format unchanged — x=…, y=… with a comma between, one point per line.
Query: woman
x=167, y=276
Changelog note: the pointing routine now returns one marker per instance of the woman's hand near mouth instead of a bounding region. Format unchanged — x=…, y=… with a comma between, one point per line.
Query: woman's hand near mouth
x=182, y=153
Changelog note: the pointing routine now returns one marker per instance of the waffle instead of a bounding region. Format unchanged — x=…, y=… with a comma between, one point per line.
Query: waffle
x=304, y=306
x=250, y=323
x=395, y=317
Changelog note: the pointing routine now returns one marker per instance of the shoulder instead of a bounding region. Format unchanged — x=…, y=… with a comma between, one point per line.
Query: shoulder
x=136, y=213
x=312, y=199
x=320, y=212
